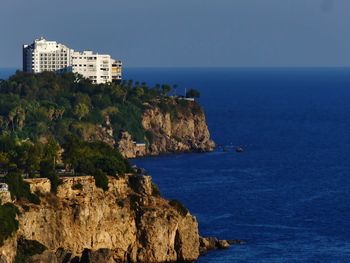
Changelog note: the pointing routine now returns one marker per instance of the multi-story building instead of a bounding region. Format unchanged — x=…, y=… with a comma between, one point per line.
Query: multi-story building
x=43, y=55
x=99, y=68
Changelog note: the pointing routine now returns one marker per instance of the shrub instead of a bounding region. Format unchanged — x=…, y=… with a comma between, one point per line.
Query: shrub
x=101, y=179
x=192, y=93
x=55, y=182
x=109, y=165
x=179, y=207
x=47, y=171
x=8, y=222
x=20, y=189
x=155, y=190
x=33, y=199
x=86, y=157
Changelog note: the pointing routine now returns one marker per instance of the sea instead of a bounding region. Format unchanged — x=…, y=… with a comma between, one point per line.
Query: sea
x=287, y=195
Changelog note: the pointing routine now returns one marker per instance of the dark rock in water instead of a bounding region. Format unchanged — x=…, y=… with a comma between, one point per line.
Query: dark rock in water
x=222, y=244
x=207, y=243
x=211, y=243
x=239, y=149
x=236, y=242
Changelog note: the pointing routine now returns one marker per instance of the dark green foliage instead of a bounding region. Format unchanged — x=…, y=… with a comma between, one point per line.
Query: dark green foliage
x=179, y=207
x=39, y=112
x=77, y=186
x=18, y=188
x=155, y=190
x=86, y=157
x=8, y=222
x=25, y=155
x=167, y=107
x=27, y=248
x=165, y=89
x=192, y=93
x=55, y=182
x=46, y=104
x=101, y=179
x=47, y=170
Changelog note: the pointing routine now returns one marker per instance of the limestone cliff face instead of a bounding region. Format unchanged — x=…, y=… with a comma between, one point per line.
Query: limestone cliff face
x=129, y=148
x=127, y=223
x=183, y=130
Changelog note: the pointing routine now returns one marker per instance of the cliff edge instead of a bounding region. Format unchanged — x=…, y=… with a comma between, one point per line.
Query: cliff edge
x=128, y=223
x=180, y=127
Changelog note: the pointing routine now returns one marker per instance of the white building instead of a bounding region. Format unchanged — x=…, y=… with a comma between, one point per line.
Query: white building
x=99, y=68
x=43, y=55
x=4, y=187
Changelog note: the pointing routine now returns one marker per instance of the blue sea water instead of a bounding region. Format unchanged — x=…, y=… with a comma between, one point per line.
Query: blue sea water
x=288, y=194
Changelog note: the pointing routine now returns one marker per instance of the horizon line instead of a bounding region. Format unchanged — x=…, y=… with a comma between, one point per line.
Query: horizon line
x=214, y=67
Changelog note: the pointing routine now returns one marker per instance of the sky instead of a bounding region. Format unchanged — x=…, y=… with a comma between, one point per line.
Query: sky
x=185, y=33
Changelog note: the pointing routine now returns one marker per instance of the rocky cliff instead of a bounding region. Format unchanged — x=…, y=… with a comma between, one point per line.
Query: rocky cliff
x=181, y=128
x=128, y=223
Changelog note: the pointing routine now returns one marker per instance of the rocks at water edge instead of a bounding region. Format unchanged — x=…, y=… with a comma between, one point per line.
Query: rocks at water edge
x=211, y=243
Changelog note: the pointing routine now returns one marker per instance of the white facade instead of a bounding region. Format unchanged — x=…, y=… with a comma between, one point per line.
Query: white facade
x=4, y=187
x=43, y=55
x=99, y=68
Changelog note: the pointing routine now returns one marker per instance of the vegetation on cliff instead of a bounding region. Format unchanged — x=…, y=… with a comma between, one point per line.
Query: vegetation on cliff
x=18, y=188
x=48, y=108
x=52, y=125
x=56, y=105
x=8, y=221
x=51, y=122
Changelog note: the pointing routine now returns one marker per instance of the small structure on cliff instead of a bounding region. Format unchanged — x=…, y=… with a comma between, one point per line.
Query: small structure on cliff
x=4, y=187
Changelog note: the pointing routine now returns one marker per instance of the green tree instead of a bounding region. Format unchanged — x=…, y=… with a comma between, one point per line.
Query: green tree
x=165, y=89
x=8, y=222
x=101, y=179
x=192, y=93
x=18, y=188
x=139, y=91
x=47, y=171
x=81, y=110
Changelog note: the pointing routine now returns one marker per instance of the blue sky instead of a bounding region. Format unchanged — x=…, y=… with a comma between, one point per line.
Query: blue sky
x=176, y=33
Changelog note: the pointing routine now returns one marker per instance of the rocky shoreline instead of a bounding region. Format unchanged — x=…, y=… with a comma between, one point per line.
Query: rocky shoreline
x=130, y=222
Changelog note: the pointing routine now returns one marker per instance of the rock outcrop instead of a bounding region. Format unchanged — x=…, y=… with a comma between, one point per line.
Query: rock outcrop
x=5, y=197
x=181, y=131
x=127, y=223
x=129, y=148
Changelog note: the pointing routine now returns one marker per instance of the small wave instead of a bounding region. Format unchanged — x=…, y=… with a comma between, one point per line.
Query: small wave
x=271, y=226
